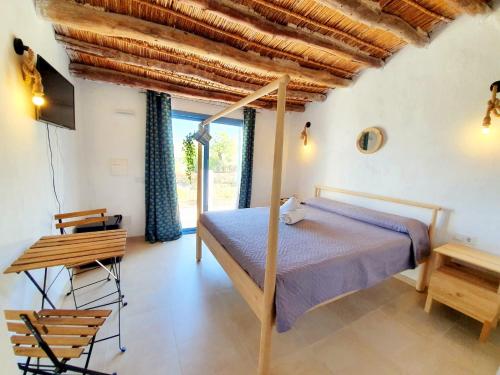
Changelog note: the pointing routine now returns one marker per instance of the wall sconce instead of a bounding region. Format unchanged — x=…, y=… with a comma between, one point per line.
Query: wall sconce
x=303, y=133
x=493, y=107
x=30, y=73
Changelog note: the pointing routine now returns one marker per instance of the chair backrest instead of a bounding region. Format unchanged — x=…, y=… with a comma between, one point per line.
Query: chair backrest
x=82, y=218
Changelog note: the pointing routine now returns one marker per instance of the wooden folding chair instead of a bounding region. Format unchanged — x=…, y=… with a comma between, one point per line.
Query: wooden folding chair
x=82, y=218
x=55, y=335
x=79, y=218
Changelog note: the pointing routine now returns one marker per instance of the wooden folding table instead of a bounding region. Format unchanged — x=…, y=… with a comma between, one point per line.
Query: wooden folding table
x=72, y=250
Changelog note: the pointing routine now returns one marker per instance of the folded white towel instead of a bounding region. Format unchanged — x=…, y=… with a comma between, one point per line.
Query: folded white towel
x=290, y=205
x=292, y=217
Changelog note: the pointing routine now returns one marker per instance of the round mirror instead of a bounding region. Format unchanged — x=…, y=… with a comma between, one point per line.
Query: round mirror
x=370, y=140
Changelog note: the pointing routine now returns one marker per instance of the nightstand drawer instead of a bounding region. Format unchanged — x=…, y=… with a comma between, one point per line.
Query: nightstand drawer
x=468, y=293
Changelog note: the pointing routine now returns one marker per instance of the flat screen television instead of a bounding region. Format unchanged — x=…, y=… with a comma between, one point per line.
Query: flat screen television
x=59, y=107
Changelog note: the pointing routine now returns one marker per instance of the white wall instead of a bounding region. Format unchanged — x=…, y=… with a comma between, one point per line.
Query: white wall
x=430, y=103
x=26, y=199
x=109, y=135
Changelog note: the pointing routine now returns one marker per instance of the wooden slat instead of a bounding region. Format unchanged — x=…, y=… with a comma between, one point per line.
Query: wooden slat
x=405, y=202
x=62, y=262
x=81, y=313
x=469, y=255
x=37, y=253
x=62, y=253
x=16, y=314
x=72, y=236
x=69, y=257
x=67, y=215
x=39, y=353
x=74, y=223
x=65, y=321
x=76, y=243
x=47, y=243
x=52, y=340
x=20, y=328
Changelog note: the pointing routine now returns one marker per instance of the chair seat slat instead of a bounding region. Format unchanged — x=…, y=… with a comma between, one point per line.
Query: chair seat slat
x=39, y=353
x=52, y=340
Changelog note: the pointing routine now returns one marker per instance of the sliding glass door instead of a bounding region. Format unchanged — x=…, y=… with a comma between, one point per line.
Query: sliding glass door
x=222, y=165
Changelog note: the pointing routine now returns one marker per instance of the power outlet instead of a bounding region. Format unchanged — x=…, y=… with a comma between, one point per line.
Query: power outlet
x=462, y=238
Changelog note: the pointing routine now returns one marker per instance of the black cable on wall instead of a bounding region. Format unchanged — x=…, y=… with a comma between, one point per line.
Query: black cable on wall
x=52, y=169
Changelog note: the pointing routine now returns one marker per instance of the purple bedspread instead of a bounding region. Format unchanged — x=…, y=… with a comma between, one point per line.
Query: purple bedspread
x=336, y=249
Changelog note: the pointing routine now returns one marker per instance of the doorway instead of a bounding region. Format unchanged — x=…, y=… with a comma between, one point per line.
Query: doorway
x=222, y=165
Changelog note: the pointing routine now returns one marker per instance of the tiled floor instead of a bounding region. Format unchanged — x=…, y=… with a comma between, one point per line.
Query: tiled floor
x=185, y=318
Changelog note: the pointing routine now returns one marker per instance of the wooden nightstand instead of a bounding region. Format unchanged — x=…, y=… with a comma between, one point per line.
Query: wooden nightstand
x=467, y=280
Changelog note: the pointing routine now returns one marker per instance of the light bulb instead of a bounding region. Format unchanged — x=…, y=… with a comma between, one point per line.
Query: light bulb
x=38, y=100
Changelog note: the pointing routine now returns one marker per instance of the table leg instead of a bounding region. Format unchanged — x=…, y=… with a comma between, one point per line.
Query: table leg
x=485, y=332
x=45, y=297
x=116, y=272
x=120, y=303
x=428, y=303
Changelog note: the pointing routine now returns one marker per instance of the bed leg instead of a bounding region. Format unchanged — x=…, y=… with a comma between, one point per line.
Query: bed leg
x=266, y=333
x=422, y=277
x=198, y=248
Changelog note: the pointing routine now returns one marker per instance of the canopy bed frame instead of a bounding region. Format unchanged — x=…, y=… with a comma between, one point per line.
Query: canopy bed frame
x=261, y=301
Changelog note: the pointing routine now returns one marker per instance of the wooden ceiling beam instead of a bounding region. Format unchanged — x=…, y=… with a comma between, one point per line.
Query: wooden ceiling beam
x=118, y=56
x=98, y=74
x=321, y=26
x=242, y=15
x=429, y=12
x=81, y=17
x=374, y=17
x=221, y=70
x=469, y=6
x=256, y=46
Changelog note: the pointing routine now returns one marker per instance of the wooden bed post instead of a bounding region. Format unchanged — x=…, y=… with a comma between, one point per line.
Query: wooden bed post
x=268, y=312
x=425, y=267
x=199, y=200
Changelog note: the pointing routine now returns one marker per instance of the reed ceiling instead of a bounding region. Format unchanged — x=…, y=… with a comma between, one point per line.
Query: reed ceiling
x=221, y=50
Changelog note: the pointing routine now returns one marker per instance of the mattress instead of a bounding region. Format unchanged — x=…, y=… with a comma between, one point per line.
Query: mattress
x=336, y=249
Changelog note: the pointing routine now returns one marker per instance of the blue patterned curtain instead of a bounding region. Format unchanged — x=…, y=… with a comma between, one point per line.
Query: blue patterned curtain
x=162, y=212
x=247, y=158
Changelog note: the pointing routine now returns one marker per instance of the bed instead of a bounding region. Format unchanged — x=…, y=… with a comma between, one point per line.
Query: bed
x=282, y=272
x=338, y=248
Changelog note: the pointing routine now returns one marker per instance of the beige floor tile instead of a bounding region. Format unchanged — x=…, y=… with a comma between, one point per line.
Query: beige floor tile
x=318, y=324
x=302, y=362
x=408, y=310
x=385, y=335
x=344, y=351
